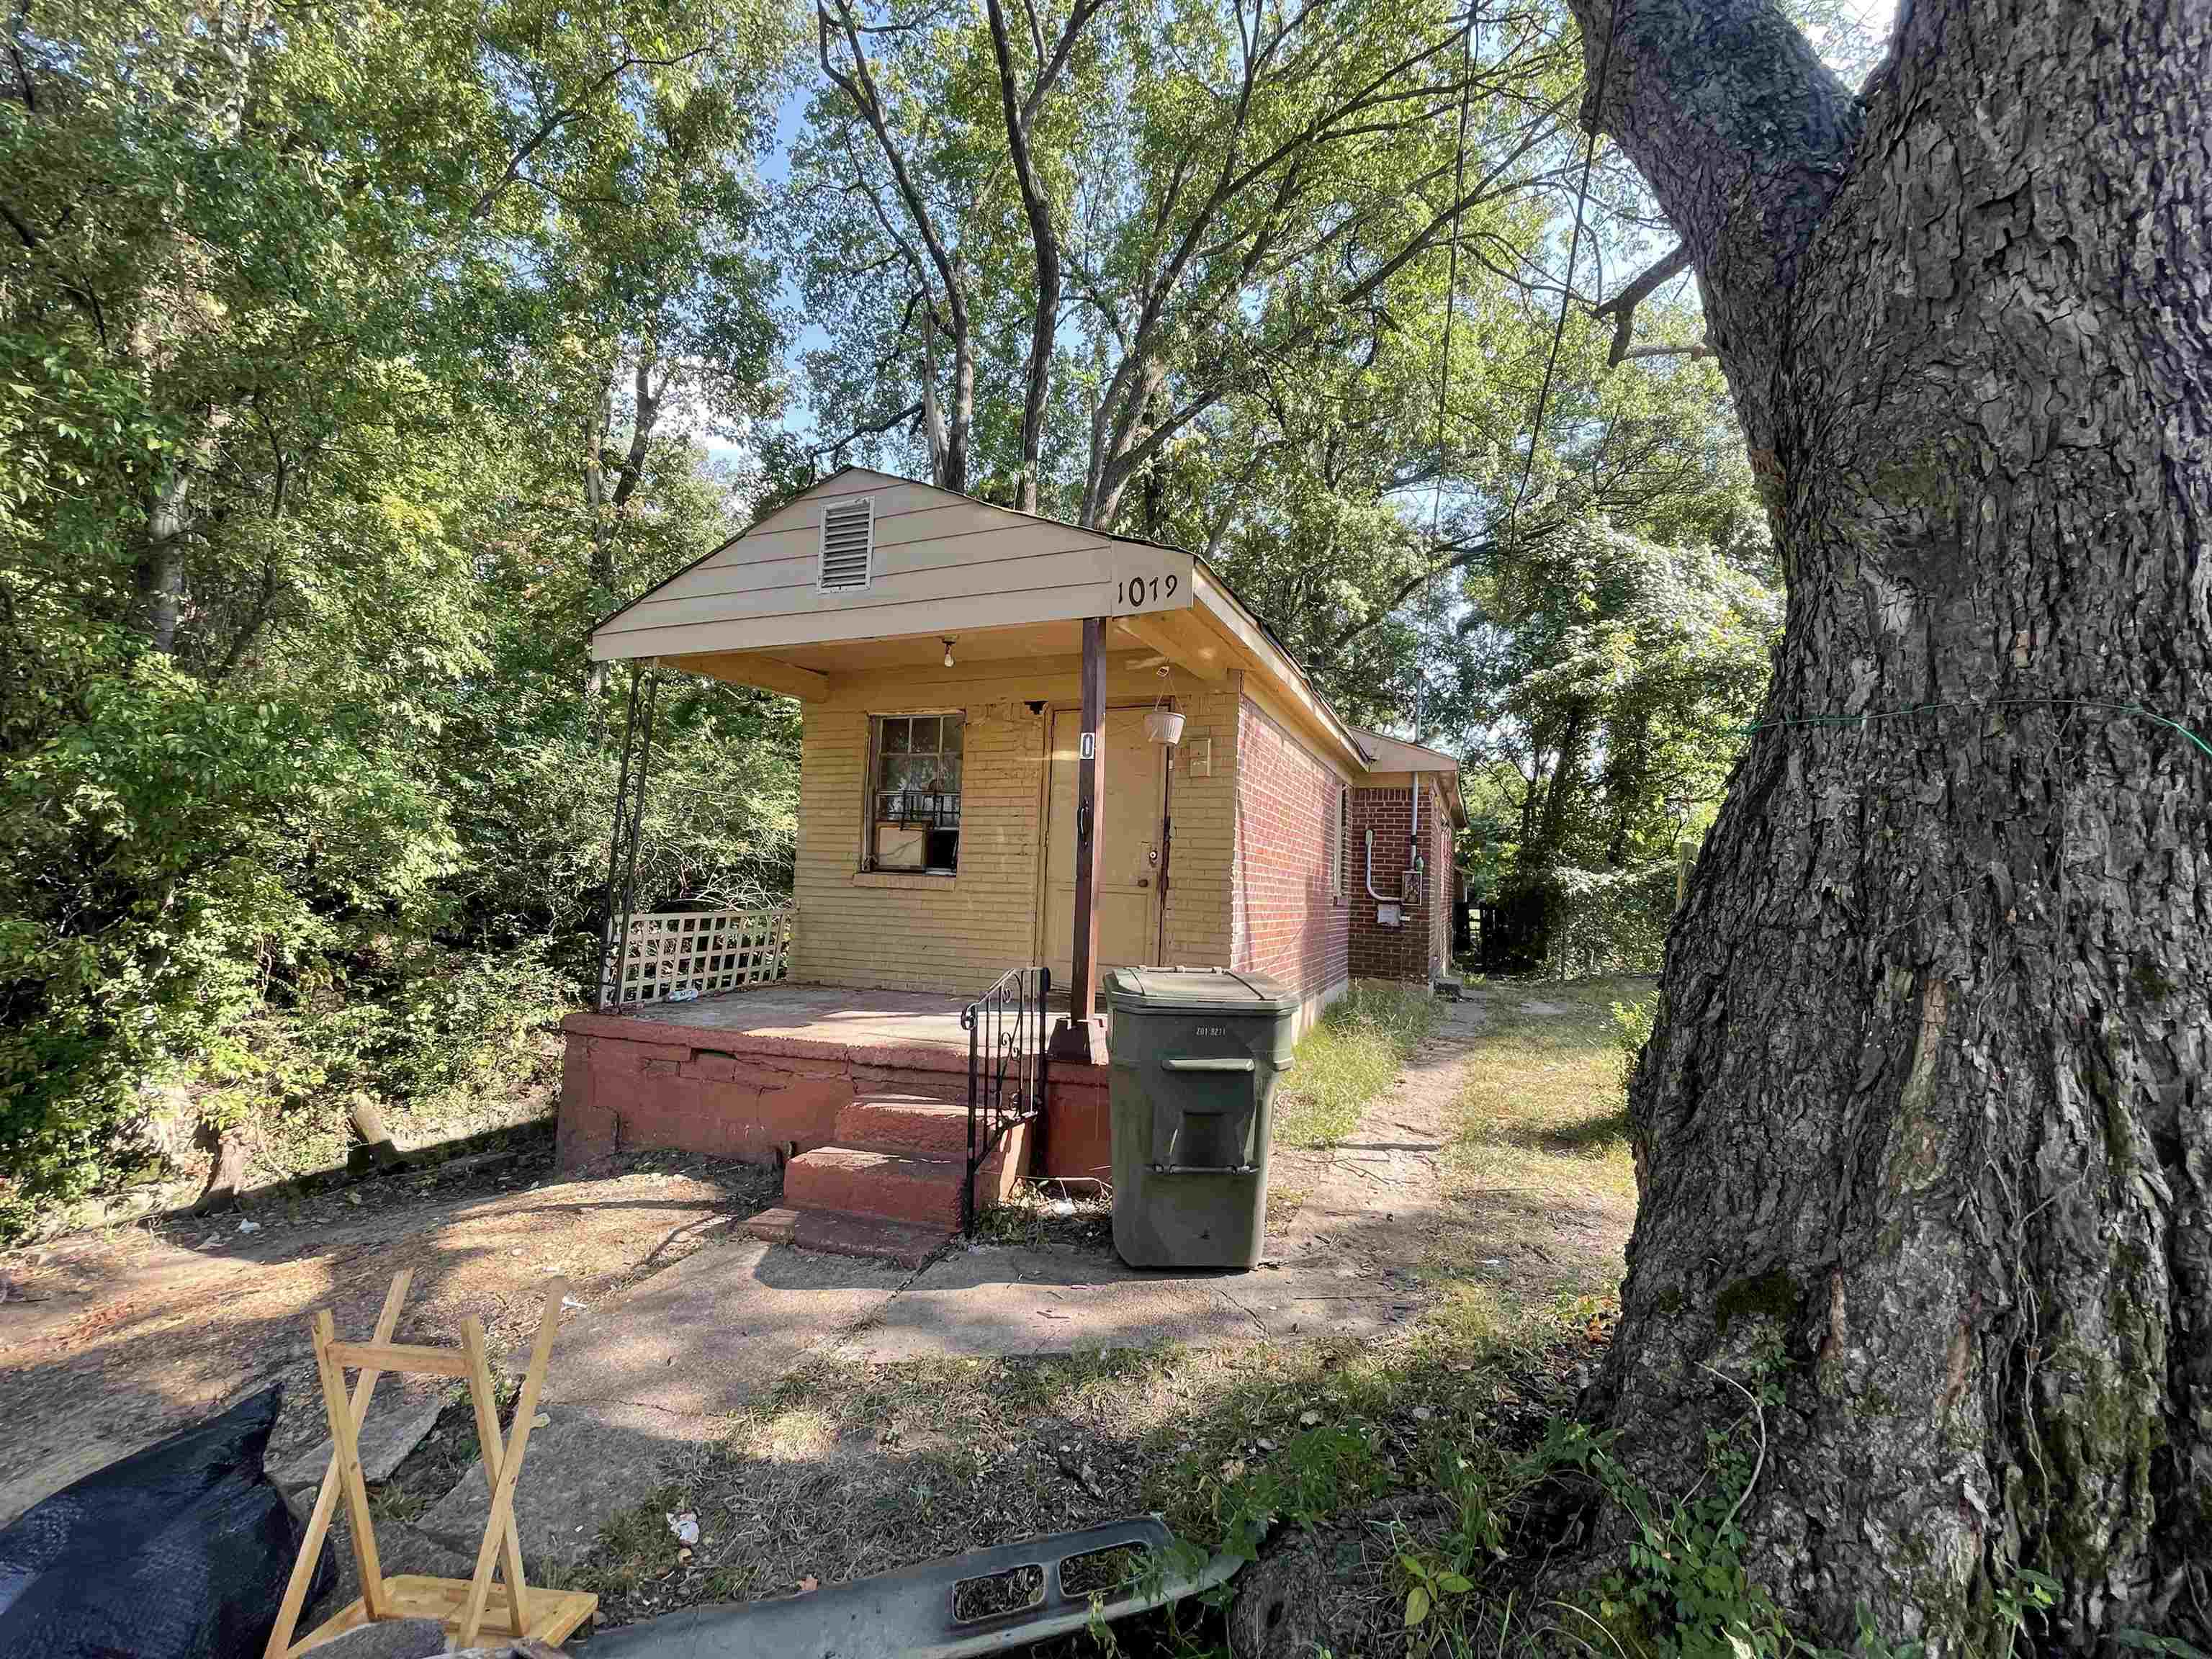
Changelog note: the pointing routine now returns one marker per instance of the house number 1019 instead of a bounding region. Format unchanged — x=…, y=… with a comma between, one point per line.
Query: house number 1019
x=1134, y=593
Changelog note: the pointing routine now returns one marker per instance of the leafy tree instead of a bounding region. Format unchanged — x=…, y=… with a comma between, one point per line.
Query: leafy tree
x=1924, y=1110
x=307, y=325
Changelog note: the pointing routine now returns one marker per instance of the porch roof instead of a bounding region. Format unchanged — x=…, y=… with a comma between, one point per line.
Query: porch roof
x=1388, y=754
x=944, y=570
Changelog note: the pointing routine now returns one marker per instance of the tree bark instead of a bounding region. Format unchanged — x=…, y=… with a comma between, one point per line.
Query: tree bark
x=605, y=505
x=161, y=561
x=1927, y=1104
x=226, y=1150
x=949, y=264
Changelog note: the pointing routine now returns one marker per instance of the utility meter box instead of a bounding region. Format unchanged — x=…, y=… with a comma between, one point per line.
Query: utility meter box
x=1196, y=1054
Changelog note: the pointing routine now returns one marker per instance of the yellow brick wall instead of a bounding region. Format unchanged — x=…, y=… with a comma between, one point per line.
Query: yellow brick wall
x=957, y=934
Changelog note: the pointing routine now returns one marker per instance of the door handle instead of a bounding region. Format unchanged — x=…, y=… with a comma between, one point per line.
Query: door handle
x=1144, y=881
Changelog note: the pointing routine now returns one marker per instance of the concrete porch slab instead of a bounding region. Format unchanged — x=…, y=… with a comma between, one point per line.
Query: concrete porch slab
x=696, y=1341
x=651, y=1373
x=820, y=1016
x=808, y=1018
x=992, y=1301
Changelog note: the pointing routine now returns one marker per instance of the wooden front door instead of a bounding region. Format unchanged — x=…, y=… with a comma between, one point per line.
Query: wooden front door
x=1129, y=850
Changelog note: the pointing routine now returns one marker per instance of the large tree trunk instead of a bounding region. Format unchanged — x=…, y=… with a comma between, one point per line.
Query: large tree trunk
x=1927, y=1104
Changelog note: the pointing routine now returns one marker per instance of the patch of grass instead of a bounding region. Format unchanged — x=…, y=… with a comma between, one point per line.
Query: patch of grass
x=1351, y=1055
x=1539, y=1167
x=847, y=1469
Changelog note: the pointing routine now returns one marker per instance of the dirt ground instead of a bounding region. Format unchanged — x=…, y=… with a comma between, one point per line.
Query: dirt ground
x=1457, y=1245
x=1484, y=1201
x=109, y=1341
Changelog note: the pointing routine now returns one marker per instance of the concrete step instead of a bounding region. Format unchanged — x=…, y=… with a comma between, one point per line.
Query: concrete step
x=899, y=1242
x=912, y=1124
x=886, y=1186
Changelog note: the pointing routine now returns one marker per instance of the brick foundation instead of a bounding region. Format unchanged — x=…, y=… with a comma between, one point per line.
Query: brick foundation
x=628, y=1082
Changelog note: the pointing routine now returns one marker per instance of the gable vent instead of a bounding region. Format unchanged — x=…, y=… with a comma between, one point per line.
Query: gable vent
x=848, y=538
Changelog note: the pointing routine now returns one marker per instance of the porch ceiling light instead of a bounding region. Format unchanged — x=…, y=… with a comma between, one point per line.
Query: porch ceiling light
x=948, y=652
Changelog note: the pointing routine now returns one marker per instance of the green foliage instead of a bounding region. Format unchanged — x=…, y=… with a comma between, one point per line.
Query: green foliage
x=1633, y=1022
x=1353, y=1052
x=336, y=360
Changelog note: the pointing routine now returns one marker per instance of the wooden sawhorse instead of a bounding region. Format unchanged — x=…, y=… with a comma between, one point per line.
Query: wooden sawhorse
x=463, y=1605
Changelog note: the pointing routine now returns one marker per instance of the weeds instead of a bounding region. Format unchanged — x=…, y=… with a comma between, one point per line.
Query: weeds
x=1351, y=1055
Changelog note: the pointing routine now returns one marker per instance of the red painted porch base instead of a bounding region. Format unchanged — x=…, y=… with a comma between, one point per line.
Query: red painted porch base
x=629, y=1082
x=634, y=1082
x=1079, y=1126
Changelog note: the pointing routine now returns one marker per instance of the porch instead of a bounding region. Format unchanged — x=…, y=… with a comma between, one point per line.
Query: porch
x=862, y=1098
x=791, y=1017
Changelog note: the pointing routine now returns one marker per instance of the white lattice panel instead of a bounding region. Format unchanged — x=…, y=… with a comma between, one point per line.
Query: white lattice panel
x=676, y=954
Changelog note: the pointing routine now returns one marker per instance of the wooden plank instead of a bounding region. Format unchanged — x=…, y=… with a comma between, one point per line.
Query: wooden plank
x=1162, y=631
x=1078, y=1036
x=347, y=1457
x=414, y=1358
x=484, y=1397
x=510, y=1471
x=554, y=1614
x=326, y=1499
x=933, y=538
x=889, y=619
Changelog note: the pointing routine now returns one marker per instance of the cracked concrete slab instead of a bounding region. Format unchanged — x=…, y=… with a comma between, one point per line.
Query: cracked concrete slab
x=695, y=1342
x=577, y=1473
x=993, y=1301
x=651, y=1372
x=393, y=1429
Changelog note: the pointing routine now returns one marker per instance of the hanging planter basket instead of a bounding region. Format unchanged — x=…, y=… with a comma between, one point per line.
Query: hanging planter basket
x=1164, y=726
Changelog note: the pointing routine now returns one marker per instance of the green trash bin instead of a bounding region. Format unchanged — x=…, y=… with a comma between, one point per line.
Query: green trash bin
x=1196, y=1053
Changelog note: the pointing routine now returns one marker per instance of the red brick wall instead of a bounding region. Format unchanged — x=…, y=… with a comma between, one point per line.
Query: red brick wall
x=1421, y=945
x=1285, y=920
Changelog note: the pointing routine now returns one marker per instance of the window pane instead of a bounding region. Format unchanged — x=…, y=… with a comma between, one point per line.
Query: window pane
x=951, y=740
x=897, y=735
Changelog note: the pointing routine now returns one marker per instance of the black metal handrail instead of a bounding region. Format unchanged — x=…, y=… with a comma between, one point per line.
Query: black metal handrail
x=1007, y=1066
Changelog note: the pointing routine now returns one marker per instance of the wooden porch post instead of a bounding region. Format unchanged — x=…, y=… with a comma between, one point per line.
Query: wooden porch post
x=1082, y=1035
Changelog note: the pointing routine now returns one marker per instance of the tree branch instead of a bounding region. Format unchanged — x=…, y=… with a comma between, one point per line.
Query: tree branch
x=560, y=118
x=1622, y=307
x=1020, y=115
x=870, y=430
x=1744, y=136
x=632, y=466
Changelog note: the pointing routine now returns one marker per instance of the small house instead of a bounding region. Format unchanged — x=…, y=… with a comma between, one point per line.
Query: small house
x=1030, y=752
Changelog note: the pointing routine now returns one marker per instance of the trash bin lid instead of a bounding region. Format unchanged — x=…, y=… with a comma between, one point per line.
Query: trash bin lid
x=1199, y=991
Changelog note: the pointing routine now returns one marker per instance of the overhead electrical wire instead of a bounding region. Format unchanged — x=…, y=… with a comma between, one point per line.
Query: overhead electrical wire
x=1451, y=300
x=1567, y=288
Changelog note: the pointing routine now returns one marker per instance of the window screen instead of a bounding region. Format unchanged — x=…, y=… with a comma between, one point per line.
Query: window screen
x=914, y=793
